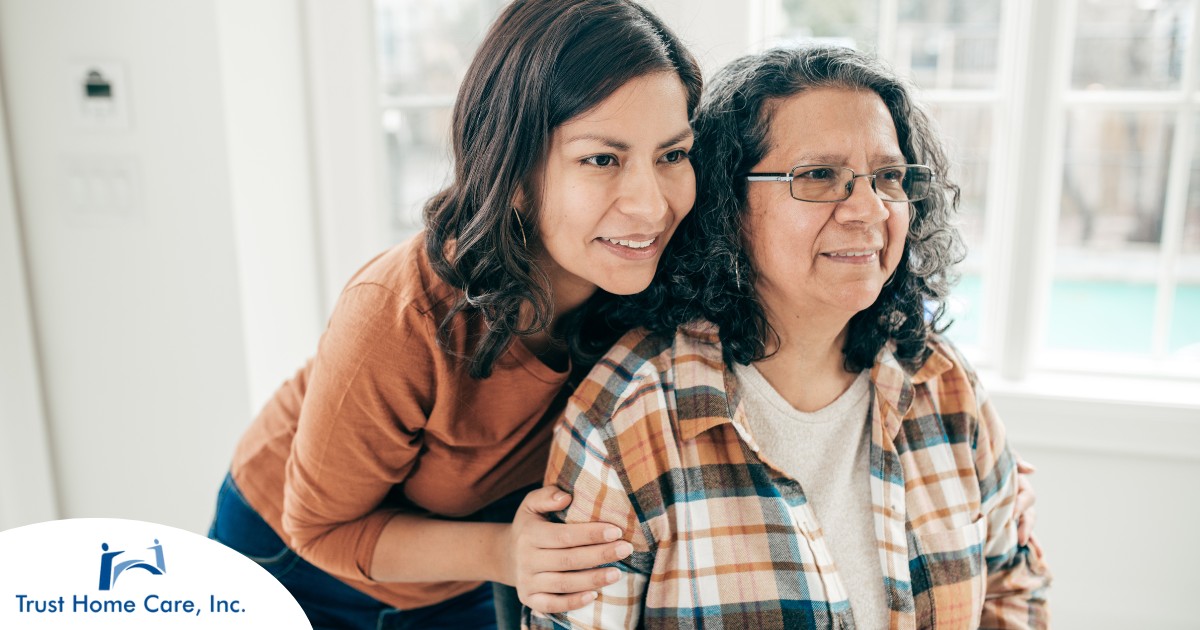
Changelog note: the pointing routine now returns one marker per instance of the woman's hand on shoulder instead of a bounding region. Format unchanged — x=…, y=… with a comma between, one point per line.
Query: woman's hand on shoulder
x=1026, y=498
x=553, y=565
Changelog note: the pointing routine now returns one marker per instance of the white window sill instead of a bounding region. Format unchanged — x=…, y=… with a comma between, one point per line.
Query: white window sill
x=1130, y=415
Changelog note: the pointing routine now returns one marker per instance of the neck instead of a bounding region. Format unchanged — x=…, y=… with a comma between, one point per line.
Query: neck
x=807, y=366
x=567, y=293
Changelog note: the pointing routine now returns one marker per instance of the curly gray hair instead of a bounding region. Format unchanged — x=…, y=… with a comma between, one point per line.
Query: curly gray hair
x=706, y=273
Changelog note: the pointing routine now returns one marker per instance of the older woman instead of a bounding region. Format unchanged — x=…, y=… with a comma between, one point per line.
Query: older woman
x=789, y=442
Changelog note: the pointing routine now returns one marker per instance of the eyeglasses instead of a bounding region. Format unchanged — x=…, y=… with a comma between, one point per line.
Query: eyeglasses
x=822, y=182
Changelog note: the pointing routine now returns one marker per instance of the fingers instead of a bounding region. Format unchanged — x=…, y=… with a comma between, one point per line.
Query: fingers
x=1025, y=530
x=1026, y=497
x=547, y=603
x=577, y=558
x=1026, y=513
x=566, y=584
x=537, y=531
x=560, y=592
x=547, y=535
x=1025, y=468
x=544, y=500
x=556, y=564
x=1035, y=546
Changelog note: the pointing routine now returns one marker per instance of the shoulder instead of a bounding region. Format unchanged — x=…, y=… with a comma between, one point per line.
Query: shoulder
x=949, y=383
x=405, y=271
x=639, y=360
x=945, y=364
x=388, y=304
x=646, y=379
x=400, y=285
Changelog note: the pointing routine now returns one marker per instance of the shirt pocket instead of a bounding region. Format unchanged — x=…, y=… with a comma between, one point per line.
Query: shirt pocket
x=953, y=564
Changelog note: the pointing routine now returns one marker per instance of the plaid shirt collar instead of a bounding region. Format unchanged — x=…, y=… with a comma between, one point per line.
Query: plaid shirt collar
x=716, y=401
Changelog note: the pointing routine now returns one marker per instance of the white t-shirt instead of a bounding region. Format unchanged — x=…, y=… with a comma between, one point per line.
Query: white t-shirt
x=828, y=452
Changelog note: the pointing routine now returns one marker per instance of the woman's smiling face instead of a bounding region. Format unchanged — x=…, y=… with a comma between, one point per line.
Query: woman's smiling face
x=814, y=257
x=614, y=185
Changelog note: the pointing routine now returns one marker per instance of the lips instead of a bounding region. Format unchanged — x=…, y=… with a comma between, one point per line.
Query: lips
x=852, y=254
x=856, y=256
x=632, y=246
x=630, y=243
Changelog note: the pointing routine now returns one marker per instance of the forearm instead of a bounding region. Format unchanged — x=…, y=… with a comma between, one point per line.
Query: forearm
x=415, y=548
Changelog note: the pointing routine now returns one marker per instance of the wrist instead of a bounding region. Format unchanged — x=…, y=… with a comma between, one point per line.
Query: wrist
x=498, y=560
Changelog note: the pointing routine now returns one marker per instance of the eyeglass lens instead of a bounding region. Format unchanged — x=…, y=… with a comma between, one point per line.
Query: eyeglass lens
x=832, y=183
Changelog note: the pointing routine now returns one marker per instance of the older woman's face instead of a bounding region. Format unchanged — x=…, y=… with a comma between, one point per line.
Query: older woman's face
x=833, y=258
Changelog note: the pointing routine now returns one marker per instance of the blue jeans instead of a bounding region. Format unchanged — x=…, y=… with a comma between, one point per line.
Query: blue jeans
x=329, y=602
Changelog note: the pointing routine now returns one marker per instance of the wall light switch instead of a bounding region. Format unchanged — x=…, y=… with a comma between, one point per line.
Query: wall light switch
x=102, y=189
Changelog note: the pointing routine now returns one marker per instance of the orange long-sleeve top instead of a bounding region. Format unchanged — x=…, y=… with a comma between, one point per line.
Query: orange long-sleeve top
x=383, y=420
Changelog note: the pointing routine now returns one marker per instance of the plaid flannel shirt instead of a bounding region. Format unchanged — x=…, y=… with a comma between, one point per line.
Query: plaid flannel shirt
x=654, y=440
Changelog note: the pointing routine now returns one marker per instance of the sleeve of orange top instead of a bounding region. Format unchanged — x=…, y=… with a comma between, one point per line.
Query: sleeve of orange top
x=360, y=428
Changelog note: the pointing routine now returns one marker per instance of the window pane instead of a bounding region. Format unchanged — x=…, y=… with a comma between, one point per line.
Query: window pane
x=1109, y=230
x=967, y=131
x=1131, y=45
x=425, y=47
x=965, y=308
x=853, y=23
x=948, y=44
x=1107, y=315
x=943, y=44
x=418, y=162
x=1184, y=338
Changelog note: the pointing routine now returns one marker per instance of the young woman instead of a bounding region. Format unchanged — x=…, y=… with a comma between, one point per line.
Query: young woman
x=792, y=444
x=362, y=485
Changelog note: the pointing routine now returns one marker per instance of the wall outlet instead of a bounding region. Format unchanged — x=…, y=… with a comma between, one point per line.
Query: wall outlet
x=99, y=94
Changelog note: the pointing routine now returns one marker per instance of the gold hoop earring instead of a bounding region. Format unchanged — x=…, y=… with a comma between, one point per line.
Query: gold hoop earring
x=521, y=225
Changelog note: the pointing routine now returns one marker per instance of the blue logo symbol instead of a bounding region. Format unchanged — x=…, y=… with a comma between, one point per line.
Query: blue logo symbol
x=109, y=573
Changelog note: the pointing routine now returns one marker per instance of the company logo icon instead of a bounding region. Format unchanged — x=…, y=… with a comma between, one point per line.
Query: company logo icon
x=110, y=572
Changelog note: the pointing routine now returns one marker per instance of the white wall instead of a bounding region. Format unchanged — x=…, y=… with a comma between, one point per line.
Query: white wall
x=269, y=164
x=715, y=34
x=27, y=493
x=161, y=326
x=1117, y=502
x=1119, y=533
x=348, y=160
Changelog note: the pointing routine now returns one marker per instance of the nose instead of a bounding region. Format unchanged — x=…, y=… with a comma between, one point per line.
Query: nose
x=863, y=205
x=642, y=194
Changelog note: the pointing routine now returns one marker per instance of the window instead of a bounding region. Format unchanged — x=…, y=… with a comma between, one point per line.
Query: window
x=1123, y=256
x=423, y=51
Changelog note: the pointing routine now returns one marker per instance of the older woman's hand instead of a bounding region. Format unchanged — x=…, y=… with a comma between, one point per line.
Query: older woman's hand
x=553, y=565
x=1026, y=498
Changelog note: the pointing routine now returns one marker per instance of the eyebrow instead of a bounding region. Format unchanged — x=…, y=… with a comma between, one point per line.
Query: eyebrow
x=624, y=146
x=886, y=159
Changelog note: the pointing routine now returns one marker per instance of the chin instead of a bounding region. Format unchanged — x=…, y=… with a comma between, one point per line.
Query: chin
x=859, y=300
x=625, y=286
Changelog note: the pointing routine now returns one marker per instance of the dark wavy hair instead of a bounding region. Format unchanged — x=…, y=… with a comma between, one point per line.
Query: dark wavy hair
x=706, y=273
x=542, y=63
